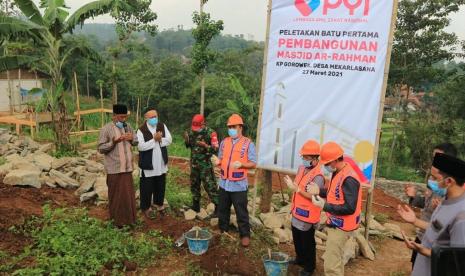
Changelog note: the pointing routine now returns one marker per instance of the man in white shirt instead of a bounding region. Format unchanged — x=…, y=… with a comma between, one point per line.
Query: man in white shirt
x=153, y=161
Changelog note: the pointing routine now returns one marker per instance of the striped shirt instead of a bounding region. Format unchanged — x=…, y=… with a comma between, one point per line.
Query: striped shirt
x=118, y=156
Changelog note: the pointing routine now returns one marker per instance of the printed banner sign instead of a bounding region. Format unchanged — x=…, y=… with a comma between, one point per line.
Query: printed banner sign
x=324, y=77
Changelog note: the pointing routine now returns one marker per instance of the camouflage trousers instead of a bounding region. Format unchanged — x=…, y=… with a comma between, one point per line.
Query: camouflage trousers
x=207, y=177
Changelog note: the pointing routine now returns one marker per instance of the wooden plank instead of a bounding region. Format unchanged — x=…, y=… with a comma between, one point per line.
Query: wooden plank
x=83, y=132
x=262, y=93
x=91, y=145
x=380, y=117
x=96, y=110
x=16, y=121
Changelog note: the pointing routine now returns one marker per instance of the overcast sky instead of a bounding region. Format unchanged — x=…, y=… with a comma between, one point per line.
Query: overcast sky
x=239, y=16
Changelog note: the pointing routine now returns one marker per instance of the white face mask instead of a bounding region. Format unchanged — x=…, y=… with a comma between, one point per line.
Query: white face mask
x=329, y=169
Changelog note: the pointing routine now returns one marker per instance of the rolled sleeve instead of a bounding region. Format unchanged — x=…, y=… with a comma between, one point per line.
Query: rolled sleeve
x=252, y=154
x=167, y=140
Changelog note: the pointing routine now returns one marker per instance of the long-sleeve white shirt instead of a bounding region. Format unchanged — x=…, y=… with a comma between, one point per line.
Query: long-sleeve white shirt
x=159, y=166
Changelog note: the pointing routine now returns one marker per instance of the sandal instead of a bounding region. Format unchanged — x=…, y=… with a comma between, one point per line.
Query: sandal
x=149, y=213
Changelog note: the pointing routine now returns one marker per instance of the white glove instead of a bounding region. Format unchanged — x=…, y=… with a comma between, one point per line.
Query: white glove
x=318, y=201
x=237, y=164
x=215, y=160
x=290, y=183
x=313, y=189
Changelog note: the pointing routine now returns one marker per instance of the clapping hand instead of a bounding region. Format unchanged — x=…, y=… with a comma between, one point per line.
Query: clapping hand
x=410, y=191
x=416, y=246
x=237, y=164
x=119, y=139
x=128, y=136
x=290, y=184
x=157, y=136
x=406, y=213
x=318, y=201
x=313, y=189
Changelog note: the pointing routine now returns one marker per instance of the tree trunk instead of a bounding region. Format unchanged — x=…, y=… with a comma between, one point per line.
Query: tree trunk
x=114, y=87
x=87, y=79
x=10, y=95
x=101, y=106
x=267, y=192
x=395, y=128
x=63, y=129
x=202, y=93
x=138, y=111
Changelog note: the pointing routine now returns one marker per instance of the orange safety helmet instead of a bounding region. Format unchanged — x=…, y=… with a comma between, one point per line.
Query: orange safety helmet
x=330, y=152
x=311, y=147
x=235, y=119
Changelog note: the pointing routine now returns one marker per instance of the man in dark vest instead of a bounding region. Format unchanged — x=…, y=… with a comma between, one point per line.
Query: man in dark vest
x=154, y=137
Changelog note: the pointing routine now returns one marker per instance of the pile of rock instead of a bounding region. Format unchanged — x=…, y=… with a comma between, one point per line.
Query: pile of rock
x=29, y=164
x=205, y=213
x=278, y=221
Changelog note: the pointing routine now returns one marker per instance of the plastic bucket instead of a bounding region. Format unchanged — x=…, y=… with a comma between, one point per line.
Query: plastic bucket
x=197, y=241
x=277, y=265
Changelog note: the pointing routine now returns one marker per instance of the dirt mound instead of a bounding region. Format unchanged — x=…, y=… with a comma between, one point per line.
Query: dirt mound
x=17, y=203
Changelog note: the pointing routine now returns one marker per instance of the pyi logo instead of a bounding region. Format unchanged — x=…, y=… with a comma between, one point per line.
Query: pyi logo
x=306, y=7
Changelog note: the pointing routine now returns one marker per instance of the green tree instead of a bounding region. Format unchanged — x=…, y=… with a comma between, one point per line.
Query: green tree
x=46, y=31
x=240, y=103
x=202, y=56
x=139, y=17
x=421, y=40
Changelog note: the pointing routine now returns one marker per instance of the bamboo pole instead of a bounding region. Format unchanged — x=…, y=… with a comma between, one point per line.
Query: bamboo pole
x=78, y=108
x=138, y=111
x=101, y=106
x=29, y=109
x=265, y=61
x=380, y=119
x=202, y=93
x=9, y=91
x=202, y=76
x=87, y=79
x=19, y=84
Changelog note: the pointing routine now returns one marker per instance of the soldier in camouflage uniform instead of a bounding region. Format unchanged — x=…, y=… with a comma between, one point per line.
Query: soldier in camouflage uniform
x=203, y=142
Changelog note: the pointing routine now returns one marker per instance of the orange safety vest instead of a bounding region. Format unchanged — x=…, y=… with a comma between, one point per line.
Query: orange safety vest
x=336, y=196
x=231, y=153
x=302, y=208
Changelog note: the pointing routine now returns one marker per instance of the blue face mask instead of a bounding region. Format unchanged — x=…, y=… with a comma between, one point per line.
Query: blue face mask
x=306, y=163
x=119, y=124
x=153, y=121
x=434, y=186
x=232, y=132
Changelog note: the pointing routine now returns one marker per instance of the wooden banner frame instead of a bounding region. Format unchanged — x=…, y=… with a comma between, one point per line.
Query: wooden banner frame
x=369, y=200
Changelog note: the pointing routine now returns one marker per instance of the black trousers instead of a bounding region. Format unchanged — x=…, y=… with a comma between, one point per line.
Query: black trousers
x=305, y=248
x=152, y=187
x=414, y=253
x=239, y=201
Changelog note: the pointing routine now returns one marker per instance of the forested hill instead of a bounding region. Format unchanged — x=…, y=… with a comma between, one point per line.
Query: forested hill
x=174, y=41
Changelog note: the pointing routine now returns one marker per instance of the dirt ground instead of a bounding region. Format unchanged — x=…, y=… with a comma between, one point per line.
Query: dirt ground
x=17, y=204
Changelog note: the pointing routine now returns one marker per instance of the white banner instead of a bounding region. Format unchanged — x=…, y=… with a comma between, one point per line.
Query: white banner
x=324, y=78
